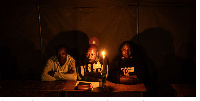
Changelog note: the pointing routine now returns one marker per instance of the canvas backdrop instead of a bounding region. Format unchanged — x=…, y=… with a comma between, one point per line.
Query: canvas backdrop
x=167, y=32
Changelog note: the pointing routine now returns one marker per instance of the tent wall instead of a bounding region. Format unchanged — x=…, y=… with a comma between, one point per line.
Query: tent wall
x=105, y=23
x=168, y=36
x=166, y=31
x=20, y=40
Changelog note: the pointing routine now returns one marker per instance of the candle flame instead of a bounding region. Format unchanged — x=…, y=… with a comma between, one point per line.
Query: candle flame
x=103, y=53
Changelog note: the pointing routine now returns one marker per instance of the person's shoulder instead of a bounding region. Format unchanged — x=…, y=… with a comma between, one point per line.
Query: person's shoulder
x=116, y=60
x=118, y=57
x=53, y=59
x=70, y=57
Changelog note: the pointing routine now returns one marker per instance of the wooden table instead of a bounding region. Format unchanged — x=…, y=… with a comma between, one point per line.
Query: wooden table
x=66, y=88
x=28, y=88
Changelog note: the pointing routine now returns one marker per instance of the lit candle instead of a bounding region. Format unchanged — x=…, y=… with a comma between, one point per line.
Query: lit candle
x=103, y=75
x=103, y=53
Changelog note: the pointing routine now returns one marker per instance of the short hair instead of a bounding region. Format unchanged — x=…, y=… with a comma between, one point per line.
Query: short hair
x=61, y=46
x=126, y=42
x=92, y=46
x=134, y=47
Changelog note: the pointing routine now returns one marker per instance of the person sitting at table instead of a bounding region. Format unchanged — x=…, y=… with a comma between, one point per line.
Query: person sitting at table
x=92, y=71
x=60, y=67
x=128, y=66
x=92, y=54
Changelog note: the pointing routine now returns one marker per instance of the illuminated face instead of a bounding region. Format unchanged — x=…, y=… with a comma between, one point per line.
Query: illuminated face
x=126, y=51
x=62, y=54
x=91, y=54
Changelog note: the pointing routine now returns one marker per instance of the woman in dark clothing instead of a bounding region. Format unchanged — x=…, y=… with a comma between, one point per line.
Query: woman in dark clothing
x=128, y=63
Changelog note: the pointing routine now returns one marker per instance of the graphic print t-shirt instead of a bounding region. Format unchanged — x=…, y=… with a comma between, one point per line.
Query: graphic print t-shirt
x=127, y=67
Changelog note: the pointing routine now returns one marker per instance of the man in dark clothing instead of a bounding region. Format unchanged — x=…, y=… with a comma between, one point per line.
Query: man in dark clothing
x=92, y=64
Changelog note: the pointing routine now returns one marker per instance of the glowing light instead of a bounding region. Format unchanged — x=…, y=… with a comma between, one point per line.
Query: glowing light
x=93, y=42
x=103, y=53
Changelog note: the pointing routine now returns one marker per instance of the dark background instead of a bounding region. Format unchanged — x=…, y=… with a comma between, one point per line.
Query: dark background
x=167, y=34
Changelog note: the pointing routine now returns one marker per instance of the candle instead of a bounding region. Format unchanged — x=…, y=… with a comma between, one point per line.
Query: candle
x=103, y=53
x=103, y=75
x=104, y=63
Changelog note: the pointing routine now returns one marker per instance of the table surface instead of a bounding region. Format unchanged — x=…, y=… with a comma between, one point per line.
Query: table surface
x=63, y=86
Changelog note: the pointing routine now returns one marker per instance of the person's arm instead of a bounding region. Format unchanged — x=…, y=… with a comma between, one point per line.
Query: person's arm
x=113, y=70
x=71, y=74
x=65, y=76
x=48, y=69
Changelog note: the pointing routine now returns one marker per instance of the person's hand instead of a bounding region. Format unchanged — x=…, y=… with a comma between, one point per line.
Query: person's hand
x=51, y=73
x=71, y=71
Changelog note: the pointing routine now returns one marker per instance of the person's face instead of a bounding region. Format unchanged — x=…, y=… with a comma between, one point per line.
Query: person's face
x=126, y=51
x=62, y=54
x=91, y=54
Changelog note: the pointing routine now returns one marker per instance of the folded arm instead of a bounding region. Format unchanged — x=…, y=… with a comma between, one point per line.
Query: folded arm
x=71, y=74
x=65, y=76
x=47, y=74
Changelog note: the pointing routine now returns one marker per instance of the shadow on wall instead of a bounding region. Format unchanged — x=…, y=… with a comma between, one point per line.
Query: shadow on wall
x=188, y=66
x=157, y=48
x=20, y=60
x=9, y=65
x=75, y=40
x=188, y=54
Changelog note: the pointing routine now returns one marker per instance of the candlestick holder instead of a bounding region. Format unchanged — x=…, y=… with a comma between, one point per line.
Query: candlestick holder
x=103, y=80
